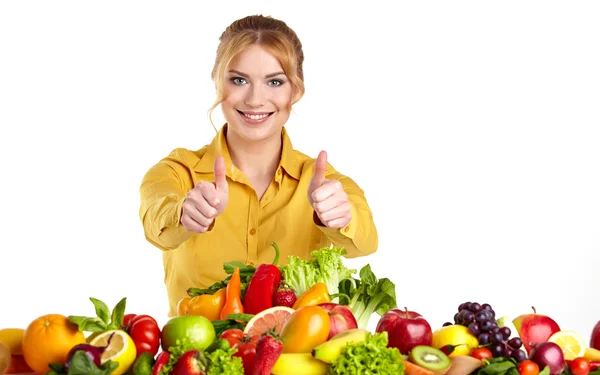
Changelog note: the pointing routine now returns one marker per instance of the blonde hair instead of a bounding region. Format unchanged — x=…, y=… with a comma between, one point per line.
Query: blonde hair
x=270, y=33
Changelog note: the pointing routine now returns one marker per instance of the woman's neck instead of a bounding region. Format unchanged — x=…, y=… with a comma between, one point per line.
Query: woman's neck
x=255, y=160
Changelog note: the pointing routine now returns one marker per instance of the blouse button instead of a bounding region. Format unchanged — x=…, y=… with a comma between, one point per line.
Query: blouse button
x=253, y=231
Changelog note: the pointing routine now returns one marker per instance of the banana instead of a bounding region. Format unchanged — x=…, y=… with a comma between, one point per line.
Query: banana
x=299, y=363
x=592, y=354
x=331, y=349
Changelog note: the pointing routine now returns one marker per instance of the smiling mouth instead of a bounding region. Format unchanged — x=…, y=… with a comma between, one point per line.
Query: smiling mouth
x=255, y=116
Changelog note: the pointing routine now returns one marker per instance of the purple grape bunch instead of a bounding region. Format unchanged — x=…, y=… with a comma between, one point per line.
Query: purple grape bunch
x=481, y=321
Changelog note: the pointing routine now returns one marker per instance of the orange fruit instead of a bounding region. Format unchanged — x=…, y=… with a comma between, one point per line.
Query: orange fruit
x=48, y=339
x=264, y=321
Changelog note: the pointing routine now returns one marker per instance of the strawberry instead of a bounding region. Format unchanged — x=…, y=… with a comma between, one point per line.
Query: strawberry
x=284, y=296
x=268, y=349
x=191, y=362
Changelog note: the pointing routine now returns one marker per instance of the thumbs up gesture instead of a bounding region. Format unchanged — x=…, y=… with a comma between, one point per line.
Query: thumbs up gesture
x=327, y=197
x=206, y=200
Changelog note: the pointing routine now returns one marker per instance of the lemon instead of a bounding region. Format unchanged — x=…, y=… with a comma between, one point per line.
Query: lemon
x=571, y=343
x=456, y=335
x=121, y=349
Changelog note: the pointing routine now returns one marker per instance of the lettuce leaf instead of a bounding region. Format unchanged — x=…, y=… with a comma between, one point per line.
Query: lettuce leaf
x=371, y=356
x=326, y=266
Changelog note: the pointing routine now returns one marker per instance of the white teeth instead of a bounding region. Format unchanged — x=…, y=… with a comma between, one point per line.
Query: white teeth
x=256, y=117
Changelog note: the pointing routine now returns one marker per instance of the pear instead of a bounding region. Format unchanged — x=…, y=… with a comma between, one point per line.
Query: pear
x=331, y=349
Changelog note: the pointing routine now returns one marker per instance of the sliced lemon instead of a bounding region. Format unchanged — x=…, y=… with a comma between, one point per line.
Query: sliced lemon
x=572, y=343
x=121, y=349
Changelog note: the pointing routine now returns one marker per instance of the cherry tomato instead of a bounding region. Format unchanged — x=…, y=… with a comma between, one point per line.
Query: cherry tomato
x=145, y=333
x=233, y=335
x=481, y=353
x=306, y=328
x=246, y=350
x=580, y=366
x=528, y=367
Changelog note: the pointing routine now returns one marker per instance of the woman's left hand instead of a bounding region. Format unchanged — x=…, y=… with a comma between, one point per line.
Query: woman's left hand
x=328, y=198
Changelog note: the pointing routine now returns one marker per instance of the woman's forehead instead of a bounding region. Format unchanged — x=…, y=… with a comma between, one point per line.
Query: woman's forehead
x=256, y=62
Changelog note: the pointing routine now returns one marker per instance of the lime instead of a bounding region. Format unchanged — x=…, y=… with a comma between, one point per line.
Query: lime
x=197, y=329
x=143, y=364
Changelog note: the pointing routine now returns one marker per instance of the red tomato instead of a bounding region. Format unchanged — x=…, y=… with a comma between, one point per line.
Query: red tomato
x=481, y=353
x=580, y=366
x=246, y=350
x=528, y=367
x=145, y=333
x=233, y=335
x=127, y=320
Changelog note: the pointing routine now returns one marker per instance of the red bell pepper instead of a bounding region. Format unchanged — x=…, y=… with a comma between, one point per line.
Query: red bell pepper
x=262, y=286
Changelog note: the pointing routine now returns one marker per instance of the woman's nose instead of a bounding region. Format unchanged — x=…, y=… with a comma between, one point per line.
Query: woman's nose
x=256, y=96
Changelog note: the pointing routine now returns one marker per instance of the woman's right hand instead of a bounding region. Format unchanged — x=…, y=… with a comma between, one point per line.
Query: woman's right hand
x=206, y=201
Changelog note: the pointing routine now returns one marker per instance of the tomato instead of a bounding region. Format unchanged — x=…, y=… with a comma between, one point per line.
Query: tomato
x=481, y=353
x=528, y=367
x=306, y=328
x=580, y=366
x=145, y=333
x=233, y=335
x=126, y=320
x=246, y=350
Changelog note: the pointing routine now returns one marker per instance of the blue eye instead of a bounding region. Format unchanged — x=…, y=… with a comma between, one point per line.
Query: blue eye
x=238, y=80
x=275, y=82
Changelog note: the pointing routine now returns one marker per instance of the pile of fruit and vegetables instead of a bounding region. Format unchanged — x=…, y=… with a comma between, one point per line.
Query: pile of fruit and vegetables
x=304, y=317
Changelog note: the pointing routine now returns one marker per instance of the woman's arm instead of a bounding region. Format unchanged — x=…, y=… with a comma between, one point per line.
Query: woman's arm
x=162, y=192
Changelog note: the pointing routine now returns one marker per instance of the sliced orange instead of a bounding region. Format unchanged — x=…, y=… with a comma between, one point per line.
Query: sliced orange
x=266, y=320
x=572, y=343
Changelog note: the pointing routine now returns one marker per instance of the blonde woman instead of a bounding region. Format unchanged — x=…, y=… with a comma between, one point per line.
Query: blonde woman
x=231, y=198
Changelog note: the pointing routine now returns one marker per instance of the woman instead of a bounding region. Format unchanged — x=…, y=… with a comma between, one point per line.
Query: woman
x=230, y=199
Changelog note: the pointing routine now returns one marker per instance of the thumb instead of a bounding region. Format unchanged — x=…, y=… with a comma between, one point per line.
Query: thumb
x=319, y=174
x=219, y=171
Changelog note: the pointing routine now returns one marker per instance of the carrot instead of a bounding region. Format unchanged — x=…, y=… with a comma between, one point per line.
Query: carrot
x=233, y=299
x=414, y=369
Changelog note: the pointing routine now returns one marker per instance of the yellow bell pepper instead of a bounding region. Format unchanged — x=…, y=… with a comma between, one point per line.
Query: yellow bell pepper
x=318, y=293
x=207, y=305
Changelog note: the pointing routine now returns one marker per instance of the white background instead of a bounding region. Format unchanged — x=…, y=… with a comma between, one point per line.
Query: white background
x=473, y=127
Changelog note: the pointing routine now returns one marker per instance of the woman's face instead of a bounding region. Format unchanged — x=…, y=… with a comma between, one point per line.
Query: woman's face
x=258, y=96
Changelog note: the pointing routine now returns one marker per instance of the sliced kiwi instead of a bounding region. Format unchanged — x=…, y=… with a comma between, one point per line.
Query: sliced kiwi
x=430, y=358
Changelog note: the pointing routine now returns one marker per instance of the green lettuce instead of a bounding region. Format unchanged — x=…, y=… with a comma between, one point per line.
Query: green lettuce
x=371, y=356
x=326, y=266
x=223, y=362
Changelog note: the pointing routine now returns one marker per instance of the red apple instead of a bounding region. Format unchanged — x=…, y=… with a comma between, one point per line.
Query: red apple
x=340, y=318
x=534, y=328
x=595, y=339
x=406, y=329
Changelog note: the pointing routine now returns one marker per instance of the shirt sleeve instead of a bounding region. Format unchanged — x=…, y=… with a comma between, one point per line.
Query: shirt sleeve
x=162, y=193
x=359, y=237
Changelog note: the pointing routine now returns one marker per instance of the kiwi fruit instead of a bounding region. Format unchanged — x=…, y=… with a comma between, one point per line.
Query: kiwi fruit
x=430, y=358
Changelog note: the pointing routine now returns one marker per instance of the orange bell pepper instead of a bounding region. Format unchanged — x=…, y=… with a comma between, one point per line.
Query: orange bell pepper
x=318, y=293
x=233, y=296
x=207, y=305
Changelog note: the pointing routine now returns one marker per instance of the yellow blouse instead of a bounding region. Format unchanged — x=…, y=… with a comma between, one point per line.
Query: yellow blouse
x=247, y=226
